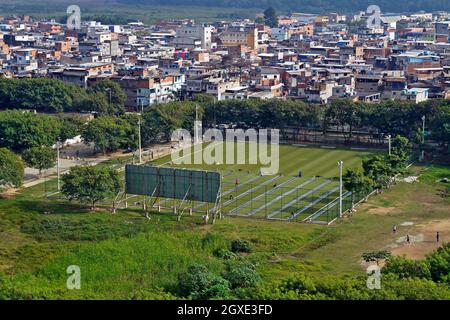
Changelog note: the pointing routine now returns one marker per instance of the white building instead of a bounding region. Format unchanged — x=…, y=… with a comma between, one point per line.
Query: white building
x=190, y=36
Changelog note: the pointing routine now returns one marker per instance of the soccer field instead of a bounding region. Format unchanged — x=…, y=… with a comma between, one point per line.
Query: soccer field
x=311, y=160
x=284, y=195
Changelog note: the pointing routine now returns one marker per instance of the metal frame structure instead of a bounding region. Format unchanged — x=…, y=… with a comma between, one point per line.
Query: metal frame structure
x=183, y=186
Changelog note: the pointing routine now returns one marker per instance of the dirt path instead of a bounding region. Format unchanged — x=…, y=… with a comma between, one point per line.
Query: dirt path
x=423, y=239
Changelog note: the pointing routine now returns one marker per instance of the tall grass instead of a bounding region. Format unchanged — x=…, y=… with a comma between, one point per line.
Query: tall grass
x=123, y=268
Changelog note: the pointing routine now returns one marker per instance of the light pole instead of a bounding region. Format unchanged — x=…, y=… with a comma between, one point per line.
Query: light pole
x=423, y=138
x=340, y=165
x=58, y=145
x=139, y=133
x=389, y=141
x=140, y=141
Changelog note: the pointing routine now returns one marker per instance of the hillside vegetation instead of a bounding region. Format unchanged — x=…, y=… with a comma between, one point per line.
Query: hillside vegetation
x=316, y=6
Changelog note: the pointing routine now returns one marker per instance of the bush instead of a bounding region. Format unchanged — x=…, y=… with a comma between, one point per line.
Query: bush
x=405, y=268
x=241, y=274
x=224, y=254
x=198, y=283
x=240, y=245
x=11, y=169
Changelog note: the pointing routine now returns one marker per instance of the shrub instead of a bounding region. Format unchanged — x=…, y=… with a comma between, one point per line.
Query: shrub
x=224, y=254
x=198, y=283
x=241, y=274
x=240, y=245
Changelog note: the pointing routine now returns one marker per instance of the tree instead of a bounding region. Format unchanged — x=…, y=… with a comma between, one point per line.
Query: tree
x=90, y=184
x=344, y=113
x=41, y=94
x=401, y=147
x=110, y=134
x=71, y=128
x=96, y=102
x=406, y=268
x=379, y=170
x=11, y=169
x=270, y=17
x=439, y=264
x=110, y=92
x=20, y=130
x=41, y=158
x=356, y=182
x=376, y=256
x=161, y=120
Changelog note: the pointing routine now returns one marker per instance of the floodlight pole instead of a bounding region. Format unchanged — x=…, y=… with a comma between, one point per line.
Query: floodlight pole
x=58, y=165
x=340, y=164
x=139, y=133
x=140, y=141
x=389, y=140
x=423, y=138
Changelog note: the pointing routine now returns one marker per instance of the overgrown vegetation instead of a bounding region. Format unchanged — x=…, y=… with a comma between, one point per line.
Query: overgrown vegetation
x=127, y=256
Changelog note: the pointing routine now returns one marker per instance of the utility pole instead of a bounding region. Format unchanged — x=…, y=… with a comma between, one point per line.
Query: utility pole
x=58, y=145
x=140, y=141
x=139, y=134
x=389, y=140
x=423, y=138
x=341, y=165
x=197, y=129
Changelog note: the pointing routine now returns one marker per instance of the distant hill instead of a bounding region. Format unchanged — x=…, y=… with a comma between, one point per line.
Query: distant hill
x=314, y=6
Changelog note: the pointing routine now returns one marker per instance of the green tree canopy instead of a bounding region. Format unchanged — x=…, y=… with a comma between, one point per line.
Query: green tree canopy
x=71, y=127
x=271, y=17
x=110, y=134
x=199, y=283
x=20, y=130
x=90, y=184
x=106, y=97
x=355, y=181
x=41, y=94
x=11, y=169
x=161, y=120
x=401, y=147
x=378, y=170
x=41, y=158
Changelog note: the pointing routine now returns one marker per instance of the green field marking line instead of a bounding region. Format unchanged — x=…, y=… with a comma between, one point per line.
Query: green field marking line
x=233, y=189
x=281, y=196
x=251, y=190
x=261, y=195
x=316, y=159
x=238, y=186
x=323, y=196
x=233, y=180
x=319, y=203
x=304, y=195
x=271, y=201
x=192, y=146
x=275, y=205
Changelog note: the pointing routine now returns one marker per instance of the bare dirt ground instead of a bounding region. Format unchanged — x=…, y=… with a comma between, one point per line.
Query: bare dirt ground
x=382, y=210
x=9, y=193
x=423, y=239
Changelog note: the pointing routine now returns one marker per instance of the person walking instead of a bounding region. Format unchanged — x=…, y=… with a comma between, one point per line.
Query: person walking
x=437, y=237
x=408, y=240
x=394, y=228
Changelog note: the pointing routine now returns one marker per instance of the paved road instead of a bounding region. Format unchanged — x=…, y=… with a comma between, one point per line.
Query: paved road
x=79, y=154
